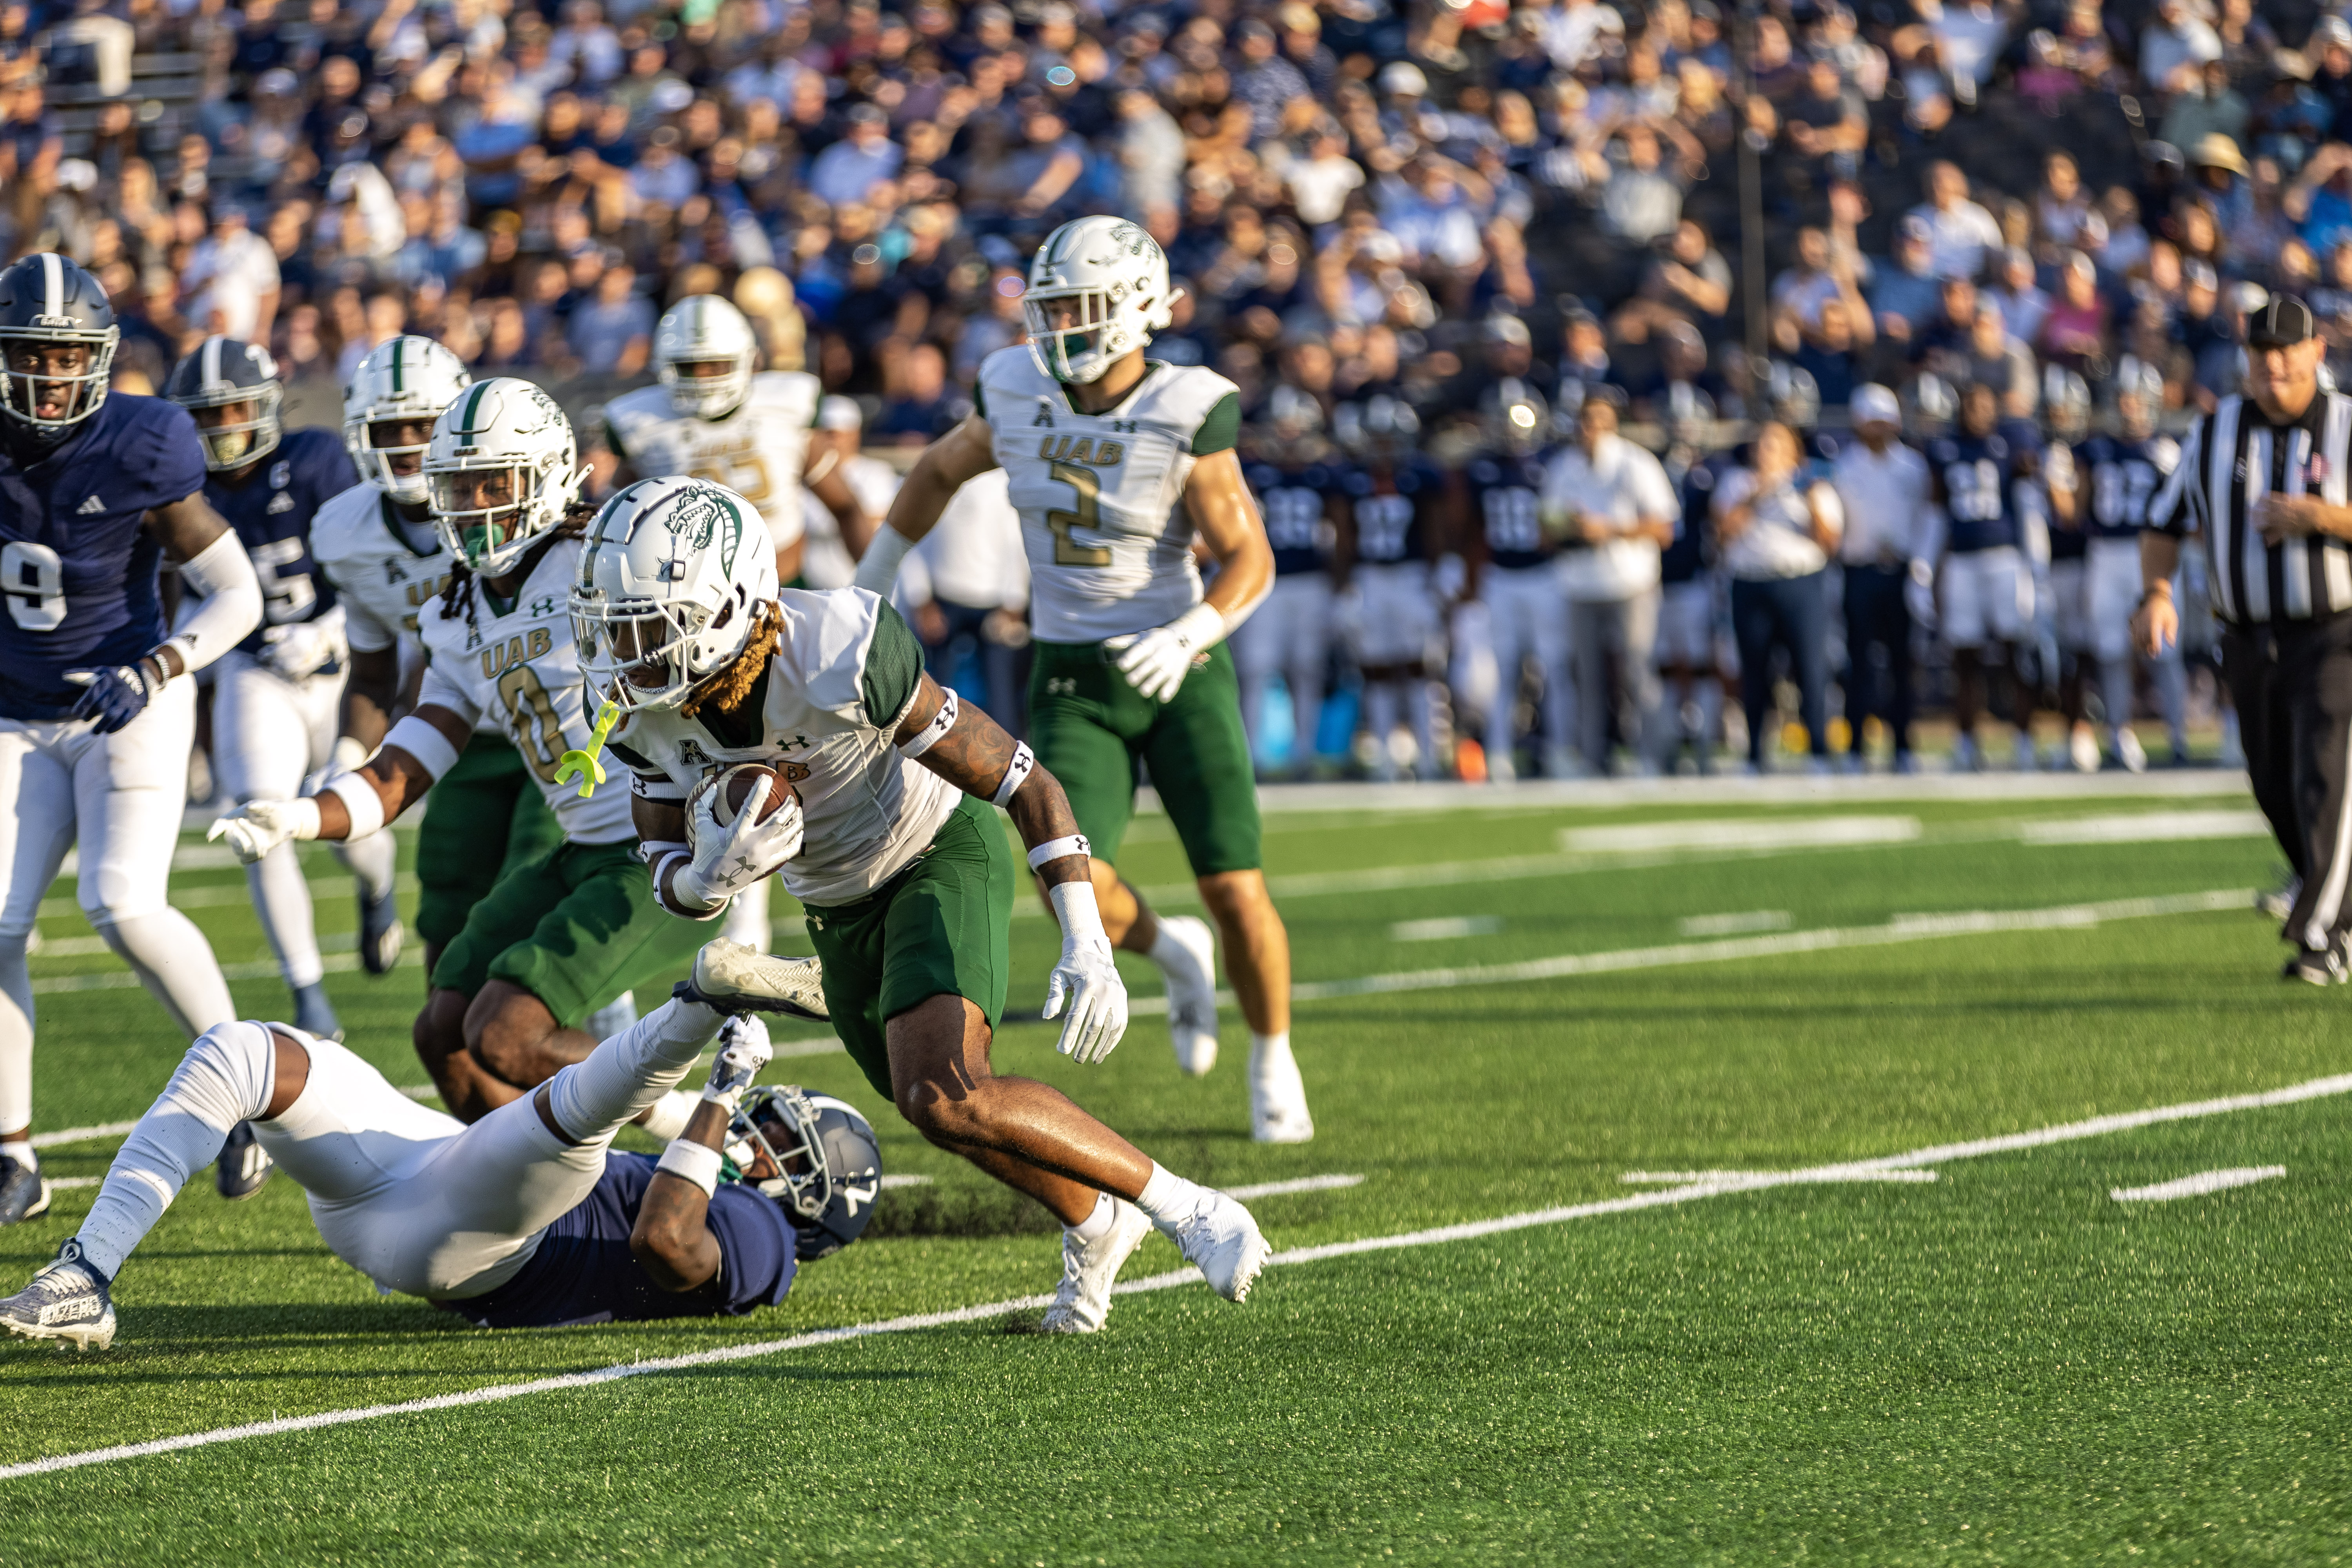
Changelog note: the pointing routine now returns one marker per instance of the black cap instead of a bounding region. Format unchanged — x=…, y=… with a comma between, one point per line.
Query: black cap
x=2283, y=323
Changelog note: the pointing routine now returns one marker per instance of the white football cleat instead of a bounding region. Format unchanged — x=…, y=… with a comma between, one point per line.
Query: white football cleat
x=2130, y=752
x=68, y=1299
x=733, y=978
x=1192, y=993
x=1089, y=1268
x=1224, y=1243
x=1277, y=1098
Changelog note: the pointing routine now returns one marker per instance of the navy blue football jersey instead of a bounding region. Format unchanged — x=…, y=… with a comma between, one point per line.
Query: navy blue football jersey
x=1686, y=558
x=1974, y=475
x=584, y=1271
x=271, y=511
x=1506, y=495
x=1396, y=513
x=77, y=565
x=2119, y=477
x=1292, y=502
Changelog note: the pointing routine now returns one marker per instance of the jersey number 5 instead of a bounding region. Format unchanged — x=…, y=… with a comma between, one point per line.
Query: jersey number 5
x=285, y=598
x=529, y=709
x=34, y=579
x=1066, y=551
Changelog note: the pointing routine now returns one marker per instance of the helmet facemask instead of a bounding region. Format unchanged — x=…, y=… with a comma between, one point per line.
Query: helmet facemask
x=489, y=514
x=35, y=366
x=1077, y=334
x=375, y=456
x=645, y=653
x=696, y=393
x=776, y=1143
x=232, y=442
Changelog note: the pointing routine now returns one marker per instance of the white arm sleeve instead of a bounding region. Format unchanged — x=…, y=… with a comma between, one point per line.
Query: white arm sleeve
x=443, y=692
x=879, y=568
x=221, y=574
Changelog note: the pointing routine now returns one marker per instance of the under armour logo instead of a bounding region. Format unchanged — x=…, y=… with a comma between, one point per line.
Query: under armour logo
x=1127, y=426
x=743, y=864
x=91, y=508
x=1061, y=686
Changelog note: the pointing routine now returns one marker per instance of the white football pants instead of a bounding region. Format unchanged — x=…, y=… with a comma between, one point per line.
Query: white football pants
x=1291, y=633
x=1526, y=614
x=268, y=732
x=746, y=919
x=415, y=1200
x=120, y=796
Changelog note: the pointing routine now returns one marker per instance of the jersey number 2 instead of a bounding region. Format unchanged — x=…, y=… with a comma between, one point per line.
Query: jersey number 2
x=35, y=582
x=529, y=709
x=1066, y=551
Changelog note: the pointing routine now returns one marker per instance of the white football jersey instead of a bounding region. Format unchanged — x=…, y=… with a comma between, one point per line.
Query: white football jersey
x=757, y=451
x=517, y=666
x=1101, y=495
x=382, y=579
x=845, y=669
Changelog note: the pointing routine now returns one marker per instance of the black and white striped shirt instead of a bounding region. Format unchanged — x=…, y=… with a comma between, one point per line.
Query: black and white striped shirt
x=2233, y=459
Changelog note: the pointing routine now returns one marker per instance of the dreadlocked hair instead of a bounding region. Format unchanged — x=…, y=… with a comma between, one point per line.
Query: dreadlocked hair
x=457, y=594
x=725, y=690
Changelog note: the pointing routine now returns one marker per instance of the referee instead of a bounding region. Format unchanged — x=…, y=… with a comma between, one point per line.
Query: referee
x=2263, y=478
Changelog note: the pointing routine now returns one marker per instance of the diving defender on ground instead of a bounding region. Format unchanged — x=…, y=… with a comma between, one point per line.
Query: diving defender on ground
x=96, y=717
x=525, y=1217
x=1114, y=462
x=885, y=832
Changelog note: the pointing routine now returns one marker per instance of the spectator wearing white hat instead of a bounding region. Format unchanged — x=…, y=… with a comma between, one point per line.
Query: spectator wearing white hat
x=1887, y=552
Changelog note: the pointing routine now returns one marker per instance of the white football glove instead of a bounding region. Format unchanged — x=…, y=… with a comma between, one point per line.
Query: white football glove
x=257, y=826
x=1919, y=594
x=726, y=860
x=743, y=1053
x=1087, y=979
x=1156, y=662
x=301, y=650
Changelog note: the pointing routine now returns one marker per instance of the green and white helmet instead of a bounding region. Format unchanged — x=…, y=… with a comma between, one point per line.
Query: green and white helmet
x=704, y=329
x=500, y=470
x=1098, y=291
x=669, y=589
x=409, y=379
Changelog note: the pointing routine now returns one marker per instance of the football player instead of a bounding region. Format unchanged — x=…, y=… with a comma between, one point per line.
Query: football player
x=376, y=542
x=885, y=831
x=519, y=1219
x=277, y=695
x=1988, y=593
x=1512, y=572
x=559, y=936
x=714, y=416
x=2066, y=419
x=96, y=718
x=1297, y=486
x=2119, y=475
x=1114, y=462
x=1395, y=522
x=1691, y=659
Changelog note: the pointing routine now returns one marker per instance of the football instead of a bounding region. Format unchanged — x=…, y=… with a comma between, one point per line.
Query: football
x=734, y=786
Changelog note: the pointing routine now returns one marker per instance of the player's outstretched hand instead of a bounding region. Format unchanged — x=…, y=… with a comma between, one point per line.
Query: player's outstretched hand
x=257, y=826
x=729, y=859
x=743, y=1053
x=112, y=694
x=1156, y=662
x=301, y=650
x=1086, y=982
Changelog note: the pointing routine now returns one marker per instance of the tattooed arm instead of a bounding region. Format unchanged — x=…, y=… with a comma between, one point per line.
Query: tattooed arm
x=966, y=747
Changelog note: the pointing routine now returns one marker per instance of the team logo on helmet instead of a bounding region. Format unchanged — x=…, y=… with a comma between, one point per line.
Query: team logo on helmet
x=702, y=516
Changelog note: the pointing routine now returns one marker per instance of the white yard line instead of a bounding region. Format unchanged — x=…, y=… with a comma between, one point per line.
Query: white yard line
x=1332, y=1182
x=1740, y=924
x=1823, y=1173
x=2198, y=1186
x=2145, y=827
x=1740, y=832
x=1740, y=1182
x=1446, y=928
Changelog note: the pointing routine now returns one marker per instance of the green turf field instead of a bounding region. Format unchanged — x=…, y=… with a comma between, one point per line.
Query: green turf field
x=1971, y=1355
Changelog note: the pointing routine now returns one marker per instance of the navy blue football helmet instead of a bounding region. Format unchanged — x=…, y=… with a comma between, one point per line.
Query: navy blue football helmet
x=814, y=1155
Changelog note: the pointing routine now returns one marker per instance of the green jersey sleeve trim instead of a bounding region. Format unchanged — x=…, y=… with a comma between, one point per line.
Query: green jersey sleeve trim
x=612, y=442
x=980, y=400
x=894, y=668
x=1221, y=429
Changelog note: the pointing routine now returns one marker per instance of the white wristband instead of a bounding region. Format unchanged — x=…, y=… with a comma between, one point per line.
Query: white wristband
x=878, y=570
x=932, y=734
x=1054, y=848
x=420, y=740
x=360, y=799
x=1016, y=773
x=1075, y=907
x=692, y=1161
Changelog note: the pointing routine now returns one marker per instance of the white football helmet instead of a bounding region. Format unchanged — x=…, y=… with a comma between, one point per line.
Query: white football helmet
x=1098, y=291
x=409, y=379
x=669, y=589
x=704, y=329
x=501, y=469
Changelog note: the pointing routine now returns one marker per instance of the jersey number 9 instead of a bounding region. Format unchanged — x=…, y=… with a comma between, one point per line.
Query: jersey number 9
x=34, y=579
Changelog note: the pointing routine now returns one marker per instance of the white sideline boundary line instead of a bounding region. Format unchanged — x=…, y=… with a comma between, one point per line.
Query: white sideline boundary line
x=1715, y=1186
x=2198, y=1186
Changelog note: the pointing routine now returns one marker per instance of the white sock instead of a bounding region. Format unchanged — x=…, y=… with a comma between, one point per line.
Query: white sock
x=1091, y=1229
x=1169, y=1197
x=228, y=1076
x=669, y=1114
x=21, y=1150
x=370, y=860
x=1169, y=954
x=1268, y=1051
x=612, y=1017
x=16, y=1034
x=627, y=1073
x=282, y=899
